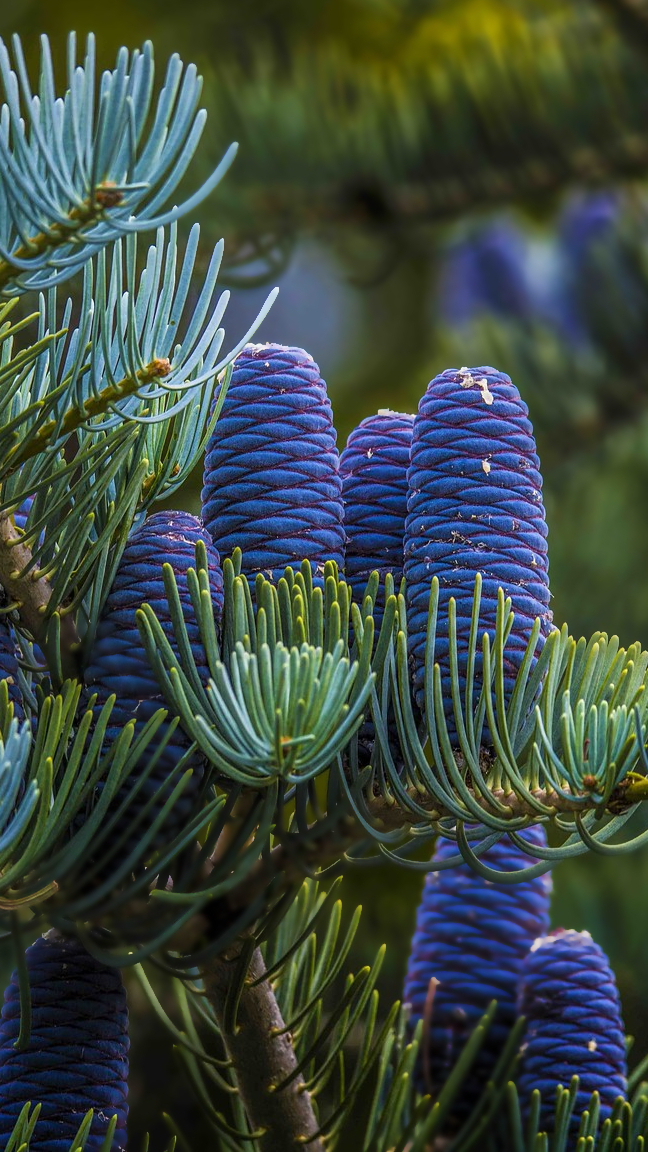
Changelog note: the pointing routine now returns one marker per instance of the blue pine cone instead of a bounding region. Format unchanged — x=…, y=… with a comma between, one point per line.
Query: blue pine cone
x=118, y=662
x=472, y=936
x=374, y=489
x=474, y=505
x=568, y=994
x=77, y=1056
x=272, y=485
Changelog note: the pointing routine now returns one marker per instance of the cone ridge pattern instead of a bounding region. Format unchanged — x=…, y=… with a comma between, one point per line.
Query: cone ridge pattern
x=272, y=485
x=77, y=1056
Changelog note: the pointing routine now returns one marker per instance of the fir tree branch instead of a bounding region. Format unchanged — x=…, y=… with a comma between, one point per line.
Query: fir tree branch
x=529, y=102
x=262, y=1055
x=444, y=199
x=24, y=585
x=94, y=406
x=301, y=854
x=298, y=855
x=392, y=815
x=104, y=196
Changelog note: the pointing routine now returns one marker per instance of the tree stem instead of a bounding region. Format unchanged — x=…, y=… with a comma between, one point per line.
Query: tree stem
x=262, y=1056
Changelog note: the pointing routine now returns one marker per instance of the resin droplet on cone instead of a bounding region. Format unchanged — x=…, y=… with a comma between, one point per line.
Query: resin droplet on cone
x=471, y=936
x=271, y=483
x=77, y=1056
x=474, y=505
x=374, y=489
x=568, y=994
x=118, y=662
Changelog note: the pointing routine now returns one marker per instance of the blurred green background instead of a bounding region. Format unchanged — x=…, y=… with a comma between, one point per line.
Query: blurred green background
x=435, y=183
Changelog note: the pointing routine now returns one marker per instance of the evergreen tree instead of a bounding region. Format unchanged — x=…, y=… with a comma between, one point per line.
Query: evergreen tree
x=193, y=738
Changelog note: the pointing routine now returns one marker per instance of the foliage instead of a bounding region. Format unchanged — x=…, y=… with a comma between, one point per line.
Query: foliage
x=97, y=422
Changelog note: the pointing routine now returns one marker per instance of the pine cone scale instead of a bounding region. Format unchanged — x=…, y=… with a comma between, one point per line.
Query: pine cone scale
x=77, y=1056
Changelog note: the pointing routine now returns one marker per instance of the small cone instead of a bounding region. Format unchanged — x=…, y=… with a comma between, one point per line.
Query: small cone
x=568, y=994
x=471, y=936
x=474, y=505
x=271, y=483
x=9, y=666
x=77, y=1056
x=118, y=662
x=374, y=489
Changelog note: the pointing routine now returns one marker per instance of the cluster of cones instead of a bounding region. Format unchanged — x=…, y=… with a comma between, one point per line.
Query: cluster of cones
x=450, y=492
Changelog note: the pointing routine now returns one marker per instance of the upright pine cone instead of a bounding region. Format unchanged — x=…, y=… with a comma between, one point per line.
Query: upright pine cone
x=374, y=489
x=471, y=936
x=271, y=484
x=77, y=1056
x=568, y=994
x=474, y=505
x=118, y=662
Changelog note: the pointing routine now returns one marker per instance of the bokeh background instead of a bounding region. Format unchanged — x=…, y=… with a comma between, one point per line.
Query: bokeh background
x=435, y=183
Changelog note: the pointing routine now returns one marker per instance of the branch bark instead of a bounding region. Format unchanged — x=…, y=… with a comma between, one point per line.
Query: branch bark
x=31, y=594
x=262, y=1056
x=298, y=855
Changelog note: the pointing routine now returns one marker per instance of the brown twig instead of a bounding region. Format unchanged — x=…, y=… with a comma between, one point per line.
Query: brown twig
x=75, y=417
x=297, y=855
x=241, y=809
x=262, y=1056
x=102, y=197
x=31, y=593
